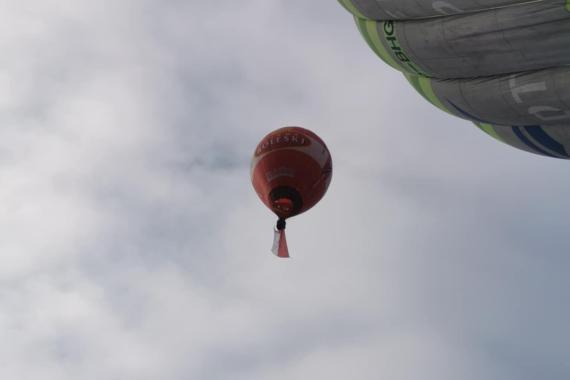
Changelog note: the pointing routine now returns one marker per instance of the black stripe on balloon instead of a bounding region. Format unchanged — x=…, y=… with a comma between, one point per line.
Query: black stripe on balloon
x=540, y=135
x=530, y=144
x=535, y=131
x=467, y=114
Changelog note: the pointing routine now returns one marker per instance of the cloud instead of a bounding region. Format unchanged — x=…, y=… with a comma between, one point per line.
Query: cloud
x=133, y=246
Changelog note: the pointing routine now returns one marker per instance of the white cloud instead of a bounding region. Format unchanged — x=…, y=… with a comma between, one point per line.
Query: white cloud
x=133, y=246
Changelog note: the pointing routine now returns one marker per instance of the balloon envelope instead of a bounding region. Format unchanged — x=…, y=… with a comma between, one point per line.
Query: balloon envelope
x=291, y=170
x=502, y=64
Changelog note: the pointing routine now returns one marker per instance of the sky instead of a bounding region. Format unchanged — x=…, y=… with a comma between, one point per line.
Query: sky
x=132, y=245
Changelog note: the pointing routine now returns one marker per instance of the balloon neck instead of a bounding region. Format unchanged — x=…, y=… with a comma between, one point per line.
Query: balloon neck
x=285, y=202
x=283, y=207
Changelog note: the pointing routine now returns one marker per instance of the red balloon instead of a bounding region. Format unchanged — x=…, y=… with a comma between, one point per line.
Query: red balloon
x=291, y=170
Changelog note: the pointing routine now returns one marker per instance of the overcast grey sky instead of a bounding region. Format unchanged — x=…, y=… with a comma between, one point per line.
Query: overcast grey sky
x=133, y=246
